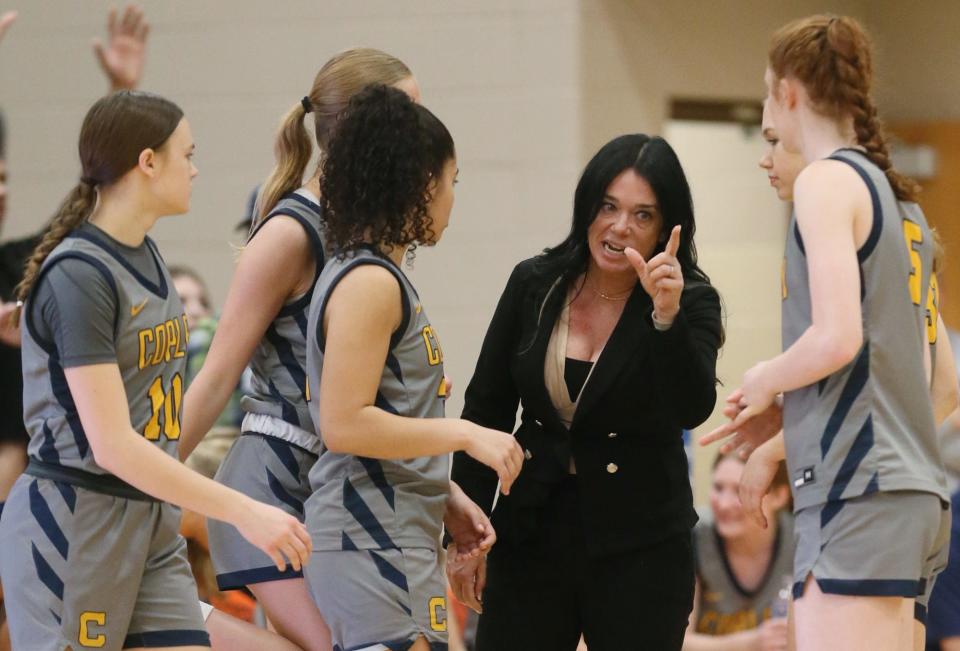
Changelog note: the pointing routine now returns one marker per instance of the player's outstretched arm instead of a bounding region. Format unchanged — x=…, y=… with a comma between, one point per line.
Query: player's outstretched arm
x=361, y=314
x=101, y=401
x=262, y=281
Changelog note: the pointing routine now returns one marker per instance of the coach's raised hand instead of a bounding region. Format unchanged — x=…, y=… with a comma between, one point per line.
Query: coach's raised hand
x=661, y=277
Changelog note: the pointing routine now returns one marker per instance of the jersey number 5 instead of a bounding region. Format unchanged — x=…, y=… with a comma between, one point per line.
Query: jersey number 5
x=169, y=404
x=913, y=235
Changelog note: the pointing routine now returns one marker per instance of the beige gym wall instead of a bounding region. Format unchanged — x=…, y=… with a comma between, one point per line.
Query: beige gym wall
x=529, y=88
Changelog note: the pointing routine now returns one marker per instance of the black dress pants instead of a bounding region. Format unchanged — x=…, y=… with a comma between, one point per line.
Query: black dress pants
x=543, y=595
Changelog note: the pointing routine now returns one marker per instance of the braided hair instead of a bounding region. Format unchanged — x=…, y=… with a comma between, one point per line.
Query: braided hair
x=832, y=57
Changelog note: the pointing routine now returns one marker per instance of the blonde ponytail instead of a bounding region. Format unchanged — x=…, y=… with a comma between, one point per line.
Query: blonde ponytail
x=292, y=150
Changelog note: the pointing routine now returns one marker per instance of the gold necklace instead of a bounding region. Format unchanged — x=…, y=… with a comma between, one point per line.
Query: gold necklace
x=607, y=297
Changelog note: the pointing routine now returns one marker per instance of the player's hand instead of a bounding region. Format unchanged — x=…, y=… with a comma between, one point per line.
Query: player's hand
x=278, y=534
x=5, y=21
x=9, y=330
x=744, y=432
x=661, y=277
x=447, y=387
x=755, y=482
x=467, y=578
x=497, y=450
x=772, y=635
x=126, y=49
x=467, y=524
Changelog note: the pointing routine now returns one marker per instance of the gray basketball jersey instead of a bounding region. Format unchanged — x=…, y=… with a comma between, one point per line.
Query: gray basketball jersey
x=362, y=503
x=869, y=426
x=279, y=385
x=725, y=606
x=151, y=342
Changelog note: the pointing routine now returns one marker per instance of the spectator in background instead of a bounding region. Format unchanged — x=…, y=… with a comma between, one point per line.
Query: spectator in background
x=743, y=570
x=193, y=293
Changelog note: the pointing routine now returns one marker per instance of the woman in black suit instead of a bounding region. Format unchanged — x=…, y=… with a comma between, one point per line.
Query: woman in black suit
x=609, y=343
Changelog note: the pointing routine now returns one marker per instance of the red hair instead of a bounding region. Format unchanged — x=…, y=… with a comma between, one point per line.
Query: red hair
x=833, y=58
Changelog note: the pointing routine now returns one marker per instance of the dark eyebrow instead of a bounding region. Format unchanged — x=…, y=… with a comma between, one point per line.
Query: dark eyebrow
x=644, y=206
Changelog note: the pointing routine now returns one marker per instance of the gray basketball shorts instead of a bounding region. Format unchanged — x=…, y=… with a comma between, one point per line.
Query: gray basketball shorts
x=271, y=471
x=890, y=544
x=88, y=570
x=379, y=600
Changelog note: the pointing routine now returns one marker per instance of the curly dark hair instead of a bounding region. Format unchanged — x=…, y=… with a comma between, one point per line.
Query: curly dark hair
x=377, y=171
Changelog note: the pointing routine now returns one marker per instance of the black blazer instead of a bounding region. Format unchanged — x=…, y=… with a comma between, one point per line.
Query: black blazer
x=626, y=436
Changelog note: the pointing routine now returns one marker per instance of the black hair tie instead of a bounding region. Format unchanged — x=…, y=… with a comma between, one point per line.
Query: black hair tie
x=305, y=103
x=89, y=180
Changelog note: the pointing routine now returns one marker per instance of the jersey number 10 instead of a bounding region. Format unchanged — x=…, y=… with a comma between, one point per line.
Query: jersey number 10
x=166, y=408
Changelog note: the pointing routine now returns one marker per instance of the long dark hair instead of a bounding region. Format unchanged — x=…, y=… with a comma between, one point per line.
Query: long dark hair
x=654, y=160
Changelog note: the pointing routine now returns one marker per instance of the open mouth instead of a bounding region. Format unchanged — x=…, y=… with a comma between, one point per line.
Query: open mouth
x=610, y=248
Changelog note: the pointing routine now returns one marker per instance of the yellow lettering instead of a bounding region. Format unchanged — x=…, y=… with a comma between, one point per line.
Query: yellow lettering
x=160, y=332
x=434, y=353
x=86, y=620
x=172, y=341
x=438, y=614
x=933, y=309
x=181, y=347
x=146, y=337
x=913, y=234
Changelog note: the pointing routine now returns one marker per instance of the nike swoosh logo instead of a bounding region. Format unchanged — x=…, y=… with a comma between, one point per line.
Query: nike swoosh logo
x=136, y=309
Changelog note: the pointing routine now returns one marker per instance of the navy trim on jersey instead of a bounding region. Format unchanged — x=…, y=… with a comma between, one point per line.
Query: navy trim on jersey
x=388, y=571
x=375, y=469
x=798, y=238
x=167, y=638
x=48, y=346
x=283, y=494
x=287, y=358
x=45, y=573
x=404, y=304
x=862, y=445
x=767, y=574
x=856, y=381
x=877, y=224
x=106, y=484
x=160, y=290
x=300, y=304
x=61, y=392
x=355, y=506
x=920, y=613
x=870, y=587
x=48, y=524
x=237, y=580
x=284, y=454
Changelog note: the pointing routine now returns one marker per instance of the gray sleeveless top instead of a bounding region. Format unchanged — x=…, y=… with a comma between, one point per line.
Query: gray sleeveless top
x=724, y=605
x=150, y=334
x=869, y=426
x=279, y=386
x=363, y=503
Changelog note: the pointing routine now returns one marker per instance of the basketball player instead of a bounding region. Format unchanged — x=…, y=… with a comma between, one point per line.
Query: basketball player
x=381, y=482
x=89, y=547
x=859, y=425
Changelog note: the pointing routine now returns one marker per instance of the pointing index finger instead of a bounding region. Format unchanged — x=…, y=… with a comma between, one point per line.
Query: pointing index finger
x=673, y=245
